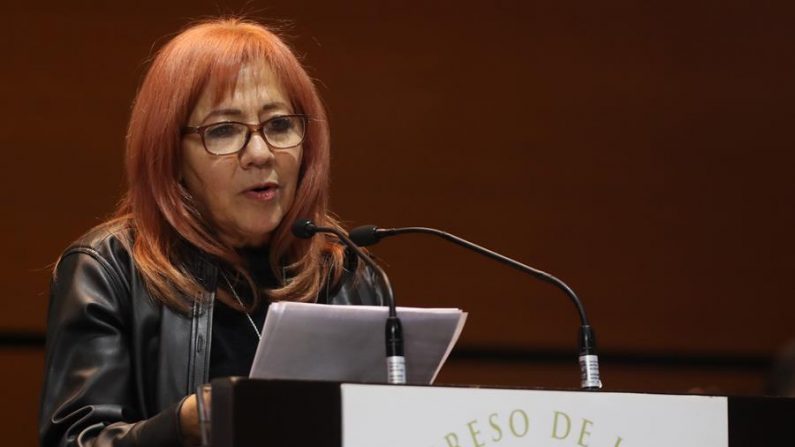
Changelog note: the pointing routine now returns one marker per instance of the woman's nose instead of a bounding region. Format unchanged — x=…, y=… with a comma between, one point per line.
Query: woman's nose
x=256, y=153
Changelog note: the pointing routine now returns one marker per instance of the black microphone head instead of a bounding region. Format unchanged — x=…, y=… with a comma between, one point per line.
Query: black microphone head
x=364, y=235
x=304, y=228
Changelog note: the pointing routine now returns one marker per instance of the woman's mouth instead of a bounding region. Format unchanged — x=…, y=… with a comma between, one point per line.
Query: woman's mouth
x=262, y=192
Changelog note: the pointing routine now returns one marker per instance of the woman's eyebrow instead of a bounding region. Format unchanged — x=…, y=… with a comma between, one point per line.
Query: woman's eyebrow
x=222, y=112
x=270, y=107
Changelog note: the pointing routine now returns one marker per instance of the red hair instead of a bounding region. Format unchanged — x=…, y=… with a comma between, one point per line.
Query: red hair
x=158, y=207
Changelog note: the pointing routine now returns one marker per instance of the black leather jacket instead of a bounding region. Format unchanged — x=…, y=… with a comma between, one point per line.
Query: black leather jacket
x=118, y=362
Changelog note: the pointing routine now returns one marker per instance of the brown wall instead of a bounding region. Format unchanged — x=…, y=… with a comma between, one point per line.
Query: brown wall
x=642, y=153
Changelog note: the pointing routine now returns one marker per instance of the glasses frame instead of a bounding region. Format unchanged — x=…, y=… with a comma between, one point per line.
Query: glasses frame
x=251, y=128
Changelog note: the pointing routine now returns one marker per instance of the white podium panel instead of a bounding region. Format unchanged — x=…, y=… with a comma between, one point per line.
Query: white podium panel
x=403, y=416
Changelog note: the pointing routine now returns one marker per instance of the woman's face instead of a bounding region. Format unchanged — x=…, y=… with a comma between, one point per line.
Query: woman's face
x=244, y=195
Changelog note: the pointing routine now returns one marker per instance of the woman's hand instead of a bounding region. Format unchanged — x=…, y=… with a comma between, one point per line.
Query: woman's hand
x=189, y=422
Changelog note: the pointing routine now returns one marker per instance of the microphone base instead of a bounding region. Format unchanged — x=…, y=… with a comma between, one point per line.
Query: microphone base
x=589, y=372
x=396, y=370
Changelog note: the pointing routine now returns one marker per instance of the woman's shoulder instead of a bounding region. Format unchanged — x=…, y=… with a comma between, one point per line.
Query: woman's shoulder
x=106, y=234
x=108, y=239
x=107, y=244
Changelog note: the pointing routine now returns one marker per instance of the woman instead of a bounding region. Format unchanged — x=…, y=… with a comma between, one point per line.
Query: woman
x=227, y=146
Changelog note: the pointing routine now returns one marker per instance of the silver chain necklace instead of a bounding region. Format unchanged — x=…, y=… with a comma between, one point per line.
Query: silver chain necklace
x=234, y=293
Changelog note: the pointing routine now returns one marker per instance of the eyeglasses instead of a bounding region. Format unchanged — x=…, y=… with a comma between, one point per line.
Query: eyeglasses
x=230, y=137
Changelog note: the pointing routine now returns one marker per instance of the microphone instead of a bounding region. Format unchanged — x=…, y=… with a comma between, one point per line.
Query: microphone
x=588, y=358
x=395, y=359
x=367, y=235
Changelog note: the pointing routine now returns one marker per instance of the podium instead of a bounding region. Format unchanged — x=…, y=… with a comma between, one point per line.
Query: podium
x=249, y=413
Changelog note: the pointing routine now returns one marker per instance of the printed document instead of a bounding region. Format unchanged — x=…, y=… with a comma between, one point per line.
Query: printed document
x=304, y=341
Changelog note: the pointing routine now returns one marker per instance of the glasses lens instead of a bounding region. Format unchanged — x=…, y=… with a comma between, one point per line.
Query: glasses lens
x=284, y=131
x=225, y=138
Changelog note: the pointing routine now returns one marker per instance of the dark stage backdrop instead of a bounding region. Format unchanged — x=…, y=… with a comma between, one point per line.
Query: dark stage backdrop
x=642, y=151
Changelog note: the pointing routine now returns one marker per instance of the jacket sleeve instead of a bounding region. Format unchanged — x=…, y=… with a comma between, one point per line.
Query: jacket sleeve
x=89, y=396
x=359, y=285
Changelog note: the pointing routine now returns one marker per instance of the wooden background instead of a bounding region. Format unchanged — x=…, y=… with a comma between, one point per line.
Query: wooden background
x=641, y=151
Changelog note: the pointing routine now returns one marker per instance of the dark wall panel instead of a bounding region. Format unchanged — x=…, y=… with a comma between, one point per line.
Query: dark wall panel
x=20, y=380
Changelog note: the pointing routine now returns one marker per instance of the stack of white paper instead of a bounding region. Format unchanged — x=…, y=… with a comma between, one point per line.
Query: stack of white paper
x=302, y=341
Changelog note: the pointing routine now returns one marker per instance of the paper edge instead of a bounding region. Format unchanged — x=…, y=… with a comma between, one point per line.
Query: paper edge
x=457, y=333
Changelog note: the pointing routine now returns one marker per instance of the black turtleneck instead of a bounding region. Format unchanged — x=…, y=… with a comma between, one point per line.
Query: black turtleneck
x=234, y=341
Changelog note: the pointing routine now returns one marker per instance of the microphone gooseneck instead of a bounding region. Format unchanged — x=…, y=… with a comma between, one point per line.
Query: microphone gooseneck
x=395, y=358
x=588, y=358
